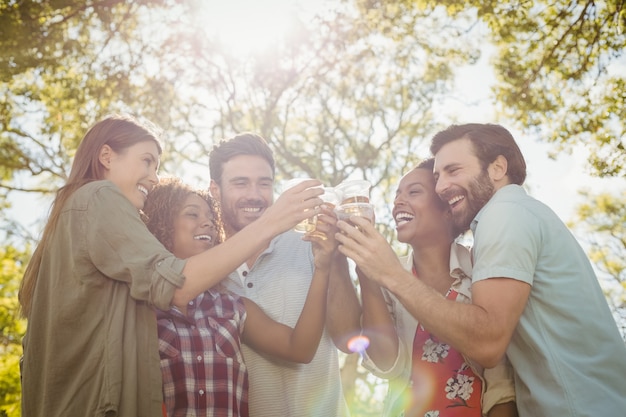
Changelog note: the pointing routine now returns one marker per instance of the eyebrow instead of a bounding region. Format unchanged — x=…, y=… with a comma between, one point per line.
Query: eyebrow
x=152, y=157
x=412, y=184
x=242, y=178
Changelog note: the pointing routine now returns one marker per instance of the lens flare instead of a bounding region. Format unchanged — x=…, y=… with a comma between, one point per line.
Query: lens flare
x=358, y=344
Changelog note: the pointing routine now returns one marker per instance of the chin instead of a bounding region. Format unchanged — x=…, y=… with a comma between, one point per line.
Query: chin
x=402, y=236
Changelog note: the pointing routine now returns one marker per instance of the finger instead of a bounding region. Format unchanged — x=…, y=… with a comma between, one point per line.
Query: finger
x=306, y=184
x=363, y=223
x=348, y=252
x=326, y=220
x=351, y=231
x=329, y=211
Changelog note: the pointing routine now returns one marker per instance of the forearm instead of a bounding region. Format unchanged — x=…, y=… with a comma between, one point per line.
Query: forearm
x=378, y=325
x=344, y=310
x=208, y=268
x=306, y=335
x=466, y=327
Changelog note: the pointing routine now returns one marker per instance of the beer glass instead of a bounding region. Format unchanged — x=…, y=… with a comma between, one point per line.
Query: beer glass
x=344, y=211
x=331, y=199
x=354, y=191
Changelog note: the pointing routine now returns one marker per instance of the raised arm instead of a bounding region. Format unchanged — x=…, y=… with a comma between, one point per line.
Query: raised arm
x=481, y=330
x=300, y=343
x=378, y=325
x=206, y=269
x=343, y=320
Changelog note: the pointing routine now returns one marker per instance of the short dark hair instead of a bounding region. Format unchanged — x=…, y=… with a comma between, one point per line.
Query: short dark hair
x=488, y=141
x=242, y=144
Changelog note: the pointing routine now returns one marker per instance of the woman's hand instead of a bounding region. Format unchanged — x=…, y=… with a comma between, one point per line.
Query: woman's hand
x=323, y=237
x=369, y=250
x=294, y=205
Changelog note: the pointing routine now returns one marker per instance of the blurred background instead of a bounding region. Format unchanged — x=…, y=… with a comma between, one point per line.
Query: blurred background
x=341, y=89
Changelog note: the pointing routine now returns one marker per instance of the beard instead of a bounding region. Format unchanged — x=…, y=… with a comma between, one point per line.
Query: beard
x=479, y=192
x=234, y=220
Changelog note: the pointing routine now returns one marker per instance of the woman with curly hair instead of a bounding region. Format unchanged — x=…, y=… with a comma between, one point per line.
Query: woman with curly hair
x=201, y=360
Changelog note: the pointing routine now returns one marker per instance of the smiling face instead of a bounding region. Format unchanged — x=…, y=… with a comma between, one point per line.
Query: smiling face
x=194, y=228
x=133, y=170
x=245, y=190
x=419, y=213
x=462, y=182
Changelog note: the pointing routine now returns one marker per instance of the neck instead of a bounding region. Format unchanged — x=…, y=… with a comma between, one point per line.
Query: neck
x=432, y=265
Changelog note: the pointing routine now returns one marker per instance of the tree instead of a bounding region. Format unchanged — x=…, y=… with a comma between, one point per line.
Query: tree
x=558, y=68
x=347, y=94
x=603, y=221
x=12, y=265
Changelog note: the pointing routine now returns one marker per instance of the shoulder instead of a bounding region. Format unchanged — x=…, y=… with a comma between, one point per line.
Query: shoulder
x=101, y=190
x=102, y=195
x=99, y=186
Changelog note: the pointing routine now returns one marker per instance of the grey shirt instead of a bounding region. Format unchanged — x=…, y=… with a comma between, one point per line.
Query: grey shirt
x=279, y=282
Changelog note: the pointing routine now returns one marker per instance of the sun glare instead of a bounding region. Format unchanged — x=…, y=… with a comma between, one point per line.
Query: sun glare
x=246, y=26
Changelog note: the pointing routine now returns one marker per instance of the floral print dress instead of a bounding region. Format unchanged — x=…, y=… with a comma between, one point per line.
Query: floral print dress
x=442, y=383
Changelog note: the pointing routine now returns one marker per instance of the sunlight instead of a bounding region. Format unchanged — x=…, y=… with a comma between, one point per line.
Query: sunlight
x=246, y=26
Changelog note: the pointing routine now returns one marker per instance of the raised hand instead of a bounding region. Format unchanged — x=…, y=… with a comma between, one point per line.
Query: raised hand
x=369, y=250
x=323, y=237
x=294, y=205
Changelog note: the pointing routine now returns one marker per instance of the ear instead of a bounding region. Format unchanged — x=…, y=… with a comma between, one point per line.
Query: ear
x=105, y=156
x=498, y=169
x=214, y=190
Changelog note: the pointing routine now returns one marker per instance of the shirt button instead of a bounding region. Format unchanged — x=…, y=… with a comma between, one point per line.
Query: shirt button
x=199, y=358
x=244, y=273
x=201, y=392
x=191, y=303
x=250, y=285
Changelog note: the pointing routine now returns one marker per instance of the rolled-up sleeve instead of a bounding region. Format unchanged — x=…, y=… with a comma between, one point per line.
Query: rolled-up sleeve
x=122, y=248
x=500, y=386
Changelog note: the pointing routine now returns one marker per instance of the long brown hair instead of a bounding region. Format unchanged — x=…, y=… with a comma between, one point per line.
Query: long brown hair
x=117, y=131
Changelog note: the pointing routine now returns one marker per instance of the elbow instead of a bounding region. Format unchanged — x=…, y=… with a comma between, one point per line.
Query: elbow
x=490, y=362
x=490, y=356
x=181, y=299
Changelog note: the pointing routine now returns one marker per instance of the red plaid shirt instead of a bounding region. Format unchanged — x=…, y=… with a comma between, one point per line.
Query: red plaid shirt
x=203, y=369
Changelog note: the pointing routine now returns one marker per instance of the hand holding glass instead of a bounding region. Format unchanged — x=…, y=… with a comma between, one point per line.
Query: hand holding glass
x=345, y=211
x=306, y=225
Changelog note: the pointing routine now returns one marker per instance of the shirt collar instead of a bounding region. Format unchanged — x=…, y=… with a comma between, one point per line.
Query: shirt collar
x=507, y=190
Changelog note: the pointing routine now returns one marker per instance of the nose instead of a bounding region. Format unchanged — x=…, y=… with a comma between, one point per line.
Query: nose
x=441, y=184
x=154, y=179
x=399, y=199
x=206, y=219
x=255, y=192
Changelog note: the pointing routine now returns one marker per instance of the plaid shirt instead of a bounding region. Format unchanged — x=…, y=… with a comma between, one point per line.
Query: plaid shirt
x=203, y=369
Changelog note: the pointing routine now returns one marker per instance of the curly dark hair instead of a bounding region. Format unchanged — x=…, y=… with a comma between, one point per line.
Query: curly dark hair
x=165, y=201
